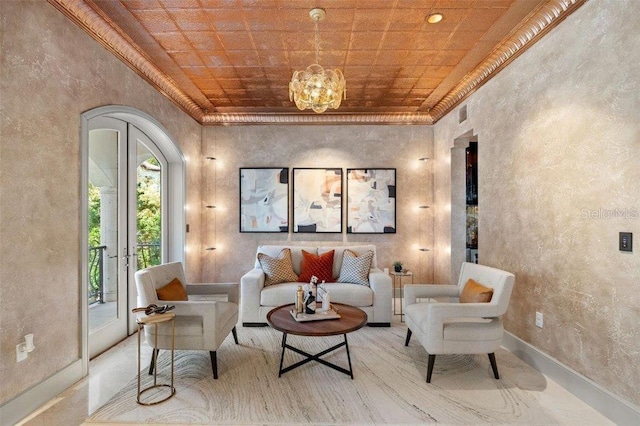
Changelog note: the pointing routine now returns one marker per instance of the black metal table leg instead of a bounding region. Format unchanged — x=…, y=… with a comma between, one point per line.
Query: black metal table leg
x=310, y=357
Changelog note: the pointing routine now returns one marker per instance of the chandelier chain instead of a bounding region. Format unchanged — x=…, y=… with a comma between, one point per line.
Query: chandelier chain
x=317, y=42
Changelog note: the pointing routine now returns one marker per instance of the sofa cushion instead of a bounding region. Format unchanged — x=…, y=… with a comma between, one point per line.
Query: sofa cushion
x=337, y=257
x=319, y=266
x=296, y=254
x=282, y=294
x=355, y=268
x=472, y=329
x=277, y=269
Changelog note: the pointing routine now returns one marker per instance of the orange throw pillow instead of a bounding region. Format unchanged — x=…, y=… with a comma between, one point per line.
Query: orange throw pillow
x=474, y=292
x=321, y=266
x=172, y=291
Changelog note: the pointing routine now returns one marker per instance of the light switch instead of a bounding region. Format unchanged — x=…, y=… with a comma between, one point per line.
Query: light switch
x=626, y=241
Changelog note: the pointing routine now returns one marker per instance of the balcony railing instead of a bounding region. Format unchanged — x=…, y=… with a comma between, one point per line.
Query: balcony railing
x=148, y=254
x=96, y=274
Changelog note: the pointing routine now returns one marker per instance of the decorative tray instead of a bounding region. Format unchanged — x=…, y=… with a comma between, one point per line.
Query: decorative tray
x=318, y=316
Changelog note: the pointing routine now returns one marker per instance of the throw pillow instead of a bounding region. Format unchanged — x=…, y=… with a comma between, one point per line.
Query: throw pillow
x=319, y=265
x=474, y=292
x=355, y=269
x=172, y=291
x=277, y=269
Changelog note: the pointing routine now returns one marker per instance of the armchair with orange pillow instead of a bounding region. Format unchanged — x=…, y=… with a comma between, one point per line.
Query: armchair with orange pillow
x=470, y=325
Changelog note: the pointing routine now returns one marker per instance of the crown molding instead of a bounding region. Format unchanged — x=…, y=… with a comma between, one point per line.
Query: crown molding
x=531, y=30
x=304, y=118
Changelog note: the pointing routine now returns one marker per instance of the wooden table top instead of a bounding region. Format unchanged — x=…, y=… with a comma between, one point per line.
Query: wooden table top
x=351, y=319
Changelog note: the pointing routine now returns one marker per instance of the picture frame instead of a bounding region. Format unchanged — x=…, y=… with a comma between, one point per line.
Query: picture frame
x=264, y=199
x=317, y=200
x=371, y=201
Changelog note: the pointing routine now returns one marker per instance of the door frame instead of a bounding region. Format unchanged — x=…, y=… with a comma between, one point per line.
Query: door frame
x=176, y=202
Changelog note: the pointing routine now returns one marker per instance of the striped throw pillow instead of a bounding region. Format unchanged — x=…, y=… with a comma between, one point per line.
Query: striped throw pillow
x=277, y=269
x=355, y=269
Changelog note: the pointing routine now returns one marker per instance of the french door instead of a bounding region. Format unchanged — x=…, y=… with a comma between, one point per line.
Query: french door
x=127, y=193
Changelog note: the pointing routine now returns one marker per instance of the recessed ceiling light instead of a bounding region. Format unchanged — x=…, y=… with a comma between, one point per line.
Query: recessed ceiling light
x=434, y=18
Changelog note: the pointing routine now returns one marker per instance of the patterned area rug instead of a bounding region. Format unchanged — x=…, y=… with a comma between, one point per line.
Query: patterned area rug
x=388, y=388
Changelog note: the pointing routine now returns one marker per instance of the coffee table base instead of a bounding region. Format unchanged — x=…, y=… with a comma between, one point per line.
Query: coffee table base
x=316, y=357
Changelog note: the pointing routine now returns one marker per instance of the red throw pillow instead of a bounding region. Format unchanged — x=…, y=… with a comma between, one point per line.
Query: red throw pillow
x=320, y=266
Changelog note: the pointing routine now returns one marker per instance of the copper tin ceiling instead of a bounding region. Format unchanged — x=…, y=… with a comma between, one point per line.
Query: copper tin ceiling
x=231, y=60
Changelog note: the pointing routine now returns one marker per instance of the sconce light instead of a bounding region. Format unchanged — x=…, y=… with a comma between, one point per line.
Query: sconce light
x=23, y=349
x=423, y=249
x=210, y=248
x=423, y=207
x=210, y=158
x=423, y=159
x=210, y=206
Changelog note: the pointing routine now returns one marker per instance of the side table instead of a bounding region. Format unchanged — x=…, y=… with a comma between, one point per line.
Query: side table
x=399, y=284
x=153, y=321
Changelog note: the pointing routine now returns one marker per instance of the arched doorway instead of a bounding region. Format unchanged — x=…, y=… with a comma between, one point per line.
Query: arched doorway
x=131, y=218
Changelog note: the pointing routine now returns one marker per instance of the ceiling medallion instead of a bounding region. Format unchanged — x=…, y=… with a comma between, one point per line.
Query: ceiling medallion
x=316, y=88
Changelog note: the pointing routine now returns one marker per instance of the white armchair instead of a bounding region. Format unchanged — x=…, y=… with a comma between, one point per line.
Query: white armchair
x=459, y=328
x=199, y=324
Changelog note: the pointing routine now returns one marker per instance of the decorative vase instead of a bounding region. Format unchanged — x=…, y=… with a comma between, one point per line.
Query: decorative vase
x=397, y=268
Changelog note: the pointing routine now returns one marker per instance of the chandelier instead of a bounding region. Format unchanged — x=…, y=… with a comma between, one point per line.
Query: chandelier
x=316, y=88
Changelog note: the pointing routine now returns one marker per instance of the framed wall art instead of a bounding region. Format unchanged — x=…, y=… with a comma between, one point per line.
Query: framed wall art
x=317, y=200
x=371, y=201
x=264, y=199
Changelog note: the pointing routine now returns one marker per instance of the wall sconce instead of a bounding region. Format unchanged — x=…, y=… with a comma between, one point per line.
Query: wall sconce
x=423, y=249
x=423, y=159
x=423, y=207
x=210, y=206
x=23, y=349
x=210, y=158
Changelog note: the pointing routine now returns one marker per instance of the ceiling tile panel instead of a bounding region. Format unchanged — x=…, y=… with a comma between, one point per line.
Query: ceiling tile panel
x=155, y=21
x=190, y=19
x=225, y=19
x=187, y=59
x=203, y=40
x=236, y=40
x=172, y=42
x=142, y=4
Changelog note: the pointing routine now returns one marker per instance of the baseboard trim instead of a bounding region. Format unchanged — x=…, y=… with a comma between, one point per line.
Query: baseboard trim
x=613, y=407
x=16, y=409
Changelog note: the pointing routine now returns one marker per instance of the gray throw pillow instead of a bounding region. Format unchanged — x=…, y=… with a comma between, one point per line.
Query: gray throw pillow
x=355, y=269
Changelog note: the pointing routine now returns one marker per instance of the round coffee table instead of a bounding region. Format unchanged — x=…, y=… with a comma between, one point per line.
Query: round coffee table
x=351, y=319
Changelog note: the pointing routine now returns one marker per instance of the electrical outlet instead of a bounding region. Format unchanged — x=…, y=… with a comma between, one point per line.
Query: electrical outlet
x=539, y=319
x=21, y=355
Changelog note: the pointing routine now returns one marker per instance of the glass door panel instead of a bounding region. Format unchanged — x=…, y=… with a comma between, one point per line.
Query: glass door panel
x=107, y=245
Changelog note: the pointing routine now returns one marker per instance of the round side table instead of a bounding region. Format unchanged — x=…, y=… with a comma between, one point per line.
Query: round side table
x=153, y=321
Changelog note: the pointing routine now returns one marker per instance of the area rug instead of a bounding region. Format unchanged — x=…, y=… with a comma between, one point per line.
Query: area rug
x=388, y=387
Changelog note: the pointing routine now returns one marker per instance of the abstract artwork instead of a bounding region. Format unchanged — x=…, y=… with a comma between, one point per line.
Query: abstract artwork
x=371, y=201
x=317, y=200
x=264, y=199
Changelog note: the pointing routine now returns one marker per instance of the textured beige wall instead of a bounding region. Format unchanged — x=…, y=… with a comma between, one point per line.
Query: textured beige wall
x=559, y=148
x=51, y=73
x=317, y=146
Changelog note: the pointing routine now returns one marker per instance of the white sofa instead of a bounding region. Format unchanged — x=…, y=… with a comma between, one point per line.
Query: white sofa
x=256, y=300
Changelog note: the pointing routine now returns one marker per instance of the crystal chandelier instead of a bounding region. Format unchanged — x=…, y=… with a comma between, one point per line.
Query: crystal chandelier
x=316, y=88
